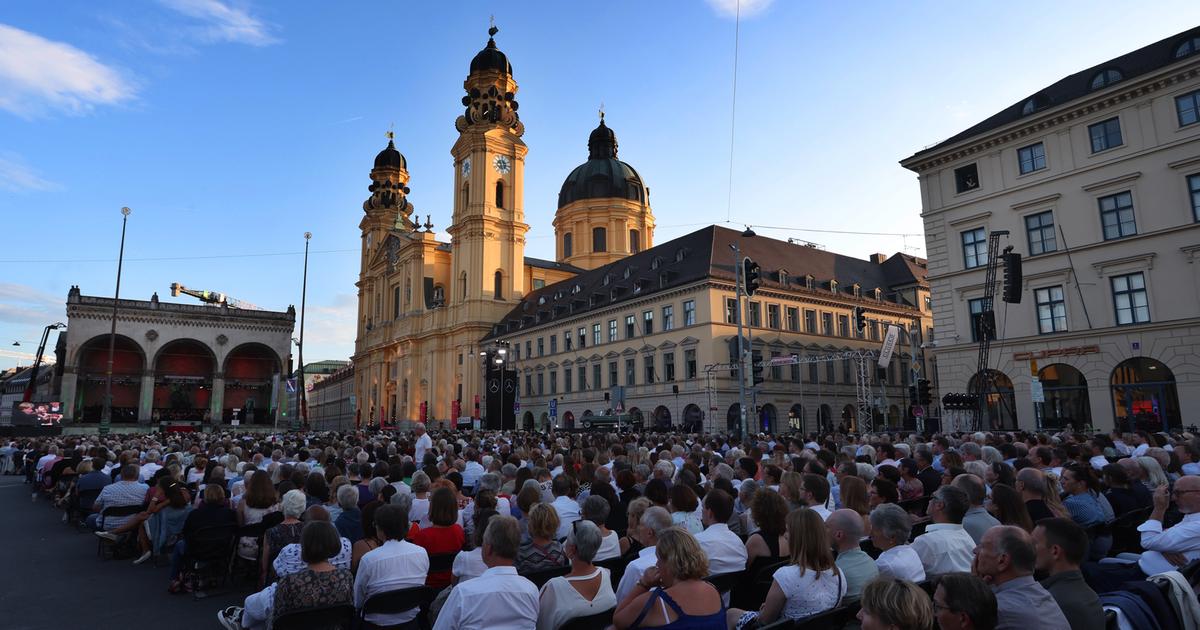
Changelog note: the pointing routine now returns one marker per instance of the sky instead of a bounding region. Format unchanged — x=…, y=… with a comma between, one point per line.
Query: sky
x=231, y=127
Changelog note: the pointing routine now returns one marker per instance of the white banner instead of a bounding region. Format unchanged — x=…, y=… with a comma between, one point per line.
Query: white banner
x=889, y=345
x=1036, y=393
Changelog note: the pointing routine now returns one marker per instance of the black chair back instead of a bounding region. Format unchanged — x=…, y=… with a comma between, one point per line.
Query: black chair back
x=724, y=582
x=1125, y=536
x=749, y=593
x=398, y=601
x=834, y=619
x=86, y=499
x=321, y=618
x=211, y=544
x=441, y=562
x=539, y=578
x=598, y=621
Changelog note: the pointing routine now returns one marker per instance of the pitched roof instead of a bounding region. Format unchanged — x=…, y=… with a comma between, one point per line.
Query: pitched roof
x=703, y=254
x=551, y=264
x=1141, y=61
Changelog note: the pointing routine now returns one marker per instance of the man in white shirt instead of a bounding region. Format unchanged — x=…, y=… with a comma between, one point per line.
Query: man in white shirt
x=726, y=552
x=654, y=521
x=815, y=489
x=473, y=469
x=423, y=445
x=946, y=547
x=1189, y=458
x=394, y=565
x=891, y=527
x=565, y=504
x=1165, y=550
x=499, y=599
x=151, y=466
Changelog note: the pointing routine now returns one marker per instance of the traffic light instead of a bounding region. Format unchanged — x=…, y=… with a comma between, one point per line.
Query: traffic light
x=860, y=319
x=752, y=274
x=924, y=393
x=757, y=368
x=1012, y=277
x=912, y=395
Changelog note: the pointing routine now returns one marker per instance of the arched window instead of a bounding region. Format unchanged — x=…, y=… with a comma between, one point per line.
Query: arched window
x=1188, y=47
x=498, y=285
x=499, y=193
x=439, y=296
x=1105, y=77
x=567, y=245
x=635, y=241
x=599, y=239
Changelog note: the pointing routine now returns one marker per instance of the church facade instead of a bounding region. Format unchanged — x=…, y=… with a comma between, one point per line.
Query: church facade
x=429, y=308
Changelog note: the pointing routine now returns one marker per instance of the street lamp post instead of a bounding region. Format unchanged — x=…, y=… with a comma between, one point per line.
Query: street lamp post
x=741, y=341
x=106, y=412
x=303, y=411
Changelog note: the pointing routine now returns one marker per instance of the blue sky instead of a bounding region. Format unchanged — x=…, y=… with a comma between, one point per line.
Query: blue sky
x=232, y=127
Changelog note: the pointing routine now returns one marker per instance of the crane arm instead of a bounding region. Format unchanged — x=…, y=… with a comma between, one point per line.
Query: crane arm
x=212, y=297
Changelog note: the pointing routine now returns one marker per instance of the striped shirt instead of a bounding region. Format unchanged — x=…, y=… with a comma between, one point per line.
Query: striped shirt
x=120, y=494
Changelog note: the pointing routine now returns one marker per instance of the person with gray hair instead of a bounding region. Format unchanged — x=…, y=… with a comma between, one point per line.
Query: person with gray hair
x=1005, y=559
x=487, y=482
x=596, y=509
x=946, y=547
x=349, y=521
x=498, y=597
x=890, y=528
x=664, y=470
x=971, y=452
x=655, y=520
x=977, y=520
x=562, y=598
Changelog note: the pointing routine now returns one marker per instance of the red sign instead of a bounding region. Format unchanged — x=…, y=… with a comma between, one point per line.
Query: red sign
x=424, y=410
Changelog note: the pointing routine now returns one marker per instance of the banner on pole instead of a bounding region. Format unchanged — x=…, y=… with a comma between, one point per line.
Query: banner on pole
x=889, y=346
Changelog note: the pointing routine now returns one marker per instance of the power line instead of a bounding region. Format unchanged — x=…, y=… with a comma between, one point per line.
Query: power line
x=822, y=231
x=169, y=258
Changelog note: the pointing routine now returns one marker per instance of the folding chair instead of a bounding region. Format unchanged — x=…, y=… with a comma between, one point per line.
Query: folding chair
x=123, y=540
x=398, y=601
x=339, y=617
x=539, y=578
x=598, y=621
x=724, y=582
x=207, y=554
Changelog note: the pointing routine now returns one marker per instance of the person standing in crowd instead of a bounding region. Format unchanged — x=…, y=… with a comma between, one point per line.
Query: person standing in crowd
x=1062, y=546
x=1005, y=559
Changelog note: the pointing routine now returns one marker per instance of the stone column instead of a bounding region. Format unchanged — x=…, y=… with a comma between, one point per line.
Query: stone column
x=216, y=404
x=70, y=382
x=146, y=398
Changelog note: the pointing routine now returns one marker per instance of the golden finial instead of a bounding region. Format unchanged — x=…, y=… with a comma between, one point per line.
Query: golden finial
x=492, y=30
x=601, y=111
x=391, y=135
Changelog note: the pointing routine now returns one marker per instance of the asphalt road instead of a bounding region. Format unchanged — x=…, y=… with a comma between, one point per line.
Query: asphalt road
x=51, y=577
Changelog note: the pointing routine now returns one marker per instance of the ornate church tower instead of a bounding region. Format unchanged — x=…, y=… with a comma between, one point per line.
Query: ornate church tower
x=489, y=220
x=603, y=207
x=387, y=209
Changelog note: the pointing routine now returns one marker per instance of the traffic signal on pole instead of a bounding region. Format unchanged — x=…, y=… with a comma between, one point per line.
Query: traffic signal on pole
x=860, y=319
x=752, y=274
x=912, y=395
x=757, y=368
x=924, y=393
x=1012, y=277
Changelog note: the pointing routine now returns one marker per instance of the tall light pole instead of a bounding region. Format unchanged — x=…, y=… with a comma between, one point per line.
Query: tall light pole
x=741, y=342
x=106, y=412
x=303, y=415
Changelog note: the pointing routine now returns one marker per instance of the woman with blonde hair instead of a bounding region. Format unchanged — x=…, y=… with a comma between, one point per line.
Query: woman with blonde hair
x=541, y=551
x=676, y=583
x=630, y=544
x=890, y=604
x=855, y=496
x=809, y=584
x=791, y=488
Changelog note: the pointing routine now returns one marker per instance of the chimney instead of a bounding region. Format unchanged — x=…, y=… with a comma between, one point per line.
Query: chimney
x=878, y=258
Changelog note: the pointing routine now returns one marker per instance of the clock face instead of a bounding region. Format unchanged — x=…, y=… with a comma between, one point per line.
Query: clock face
x=502, y=164
x=466, y=167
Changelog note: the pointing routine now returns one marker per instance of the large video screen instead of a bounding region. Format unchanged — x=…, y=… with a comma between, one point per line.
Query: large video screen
x=47, y=414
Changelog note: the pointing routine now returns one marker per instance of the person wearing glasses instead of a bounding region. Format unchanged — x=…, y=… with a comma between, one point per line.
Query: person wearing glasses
x=1005, y=560
x=946, y=547
x=963, y=602
x=1165, y=549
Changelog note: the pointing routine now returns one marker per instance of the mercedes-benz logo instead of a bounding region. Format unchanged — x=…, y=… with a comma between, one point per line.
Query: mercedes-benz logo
x=508, y=387
x=493, y=387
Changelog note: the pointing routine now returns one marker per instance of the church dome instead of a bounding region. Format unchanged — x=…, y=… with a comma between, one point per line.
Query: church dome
x=390, y=157
x=603, y=176
x=490, y=58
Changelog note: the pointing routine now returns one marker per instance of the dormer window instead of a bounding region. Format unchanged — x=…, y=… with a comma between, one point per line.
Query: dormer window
x=857, y=290
x=576, y=289
x=1187, y=48
x=833, y=287
x=656, y=263
x=1036, y=102
x=808, y=282
x=607, y=279
x=680, y=254
x=783, y=277
x=541, y=300
x=1105, y=78
x=628, y=272
x=878, y=294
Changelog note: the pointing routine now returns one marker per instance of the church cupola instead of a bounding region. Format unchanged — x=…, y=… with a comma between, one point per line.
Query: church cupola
x=388, y=205
x=491, y=91
x=603, y=207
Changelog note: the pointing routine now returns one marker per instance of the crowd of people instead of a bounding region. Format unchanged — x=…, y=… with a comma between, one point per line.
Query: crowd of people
x=698, y=531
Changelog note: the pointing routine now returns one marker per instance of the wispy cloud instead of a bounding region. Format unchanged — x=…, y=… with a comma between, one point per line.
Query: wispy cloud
x=17, y=176
x=221, y=21
x=23, y=304
x=747, y=8
x=37, y=74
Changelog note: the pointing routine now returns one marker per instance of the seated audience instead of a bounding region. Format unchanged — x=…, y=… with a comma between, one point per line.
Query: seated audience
x=769, y=511
x=285, y=533
x=977, y=520
x=289, y=559
x=1123, y=496
x=395, y=565
x=499, y=599
x=894, y=605
x=586, y=589
x=1009, y=508
x=564, y=504
x=653, y=522
x=443, y=535
x=542, y=551
x=811, y=583
x=673, y=593
x=633, y=513
x=945, y=547
x=845, y=531
x=213, y=512
x=596, y=509
x=129, y=491
x=726, y=552
x=1062, y=546
x=891, y=527
x=349, y=519
x=1005, y=559
x=963, y=601
x=469, y=564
